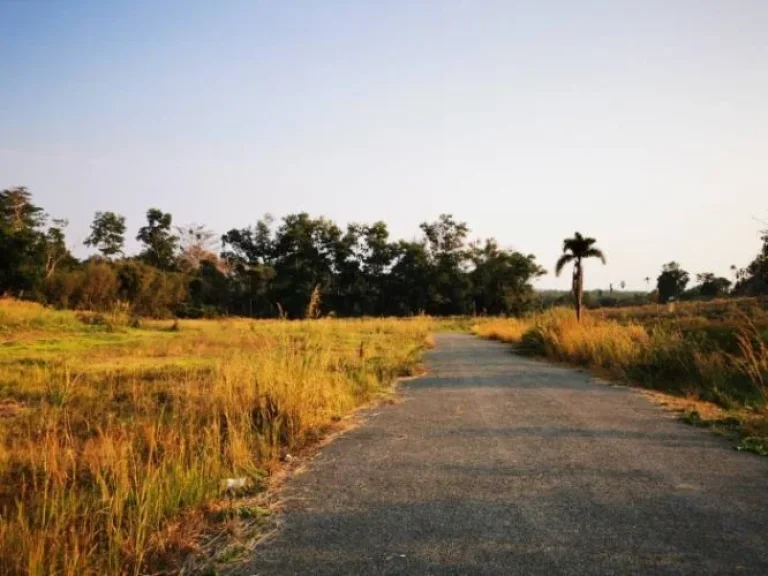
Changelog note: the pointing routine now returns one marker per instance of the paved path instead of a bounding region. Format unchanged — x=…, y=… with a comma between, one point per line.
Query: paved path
x=496, y=464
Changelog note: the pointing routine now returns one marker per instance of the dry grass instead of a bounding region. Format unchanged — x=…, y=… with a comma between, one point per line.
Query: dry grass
x=114, y=441
x=504, y=330
x=558, y=335
x=716, y=355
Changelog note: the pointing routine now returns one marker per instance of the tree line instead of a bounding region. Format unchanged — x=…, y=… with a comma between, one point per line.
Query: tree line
x=673, y=282
x=300, y=266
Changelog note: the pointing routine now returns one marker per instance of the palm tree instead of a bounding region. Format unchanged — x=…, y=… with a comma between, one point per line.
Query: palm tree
x=575, y=250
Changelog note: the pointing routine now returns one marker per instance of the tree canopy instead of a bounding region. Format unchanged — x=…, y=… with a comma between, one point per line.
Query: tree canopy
x=107, y=234
x=302, y=264
x=158, y=239
x=298, y=265
x=671, y=282
x=753, y=280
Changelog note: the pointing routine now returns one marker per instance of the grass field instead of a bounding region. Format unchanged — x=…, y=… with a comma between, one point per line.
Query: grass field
x=714, y=352
x=114, y=441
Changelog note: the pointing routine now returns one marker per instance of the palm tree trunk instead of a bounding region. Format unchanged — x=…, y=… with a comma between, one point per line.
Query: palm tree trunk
x=578, y=288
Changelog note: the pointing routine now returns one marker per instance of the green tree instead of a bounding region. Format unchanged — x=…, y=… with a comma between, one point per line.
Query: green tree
x=346, y=294
x=576, y=250
x=408, y=286
x=150, y=290
x=56, y=251
x=289, y=263
x=159, y=242
x=711, y=286
x=449, y=284
x=753, y=280
x=303, y=260
x=209, y=292
x=107, y=234
x=671, y=282
x=247, y=254
x=362, y=258
x=377, y=255
x=22, y=242
x=501, y=280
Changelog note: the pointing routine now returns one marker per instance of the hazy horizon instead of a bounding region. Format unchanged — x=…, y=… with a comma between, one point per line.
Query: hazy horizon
x=643, y=125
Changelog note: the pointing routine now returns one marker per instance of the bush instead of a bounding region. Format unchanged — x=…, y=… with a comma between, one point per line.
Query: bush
x=104, y=286
x=93, y=286
x=151, y=292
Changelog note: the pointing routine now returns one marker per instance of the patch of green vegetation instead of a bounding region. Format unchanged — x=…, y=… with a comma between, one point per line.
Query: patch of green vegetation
x=755, y=444
x=231, y=554
x=732, y=427
x=243, y=511
x=725, y=424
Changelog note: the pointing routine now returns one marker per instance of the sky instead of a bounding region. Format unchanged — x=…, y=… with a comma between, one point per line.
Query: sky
x=641, y=123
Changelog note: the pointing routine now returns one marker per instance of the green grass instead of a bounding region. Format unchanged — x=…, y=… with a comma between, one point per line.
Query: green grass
x=114, y=440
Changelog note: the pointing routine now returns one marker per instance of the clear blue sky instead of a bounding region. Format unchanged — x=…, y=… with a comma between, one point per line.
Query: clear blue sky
x=642, y=123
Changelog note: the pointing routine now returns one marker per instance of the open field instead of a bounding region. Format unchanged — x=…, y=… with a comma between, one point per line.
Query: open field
x=110, y=435
x=114, y=440
x=713, y=352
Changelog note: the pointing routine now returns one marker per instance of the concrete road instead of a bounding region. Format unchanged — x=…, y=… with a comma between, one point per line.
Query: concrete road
x=496, y=464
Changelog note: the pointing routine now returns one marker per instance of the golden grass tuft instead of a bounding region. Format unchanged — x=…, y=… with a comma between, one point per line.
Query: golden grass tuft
x=504, y=330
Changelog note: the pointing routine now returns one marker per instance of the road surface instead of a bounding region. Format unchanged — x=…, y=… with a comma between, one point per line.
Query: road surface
x=497, y=464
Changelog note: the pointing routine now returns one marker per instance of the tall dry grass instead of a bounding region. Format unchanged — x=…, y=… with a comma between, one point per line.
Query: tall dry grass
x=753, y=359
x=659, y=355
x=109, y=440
